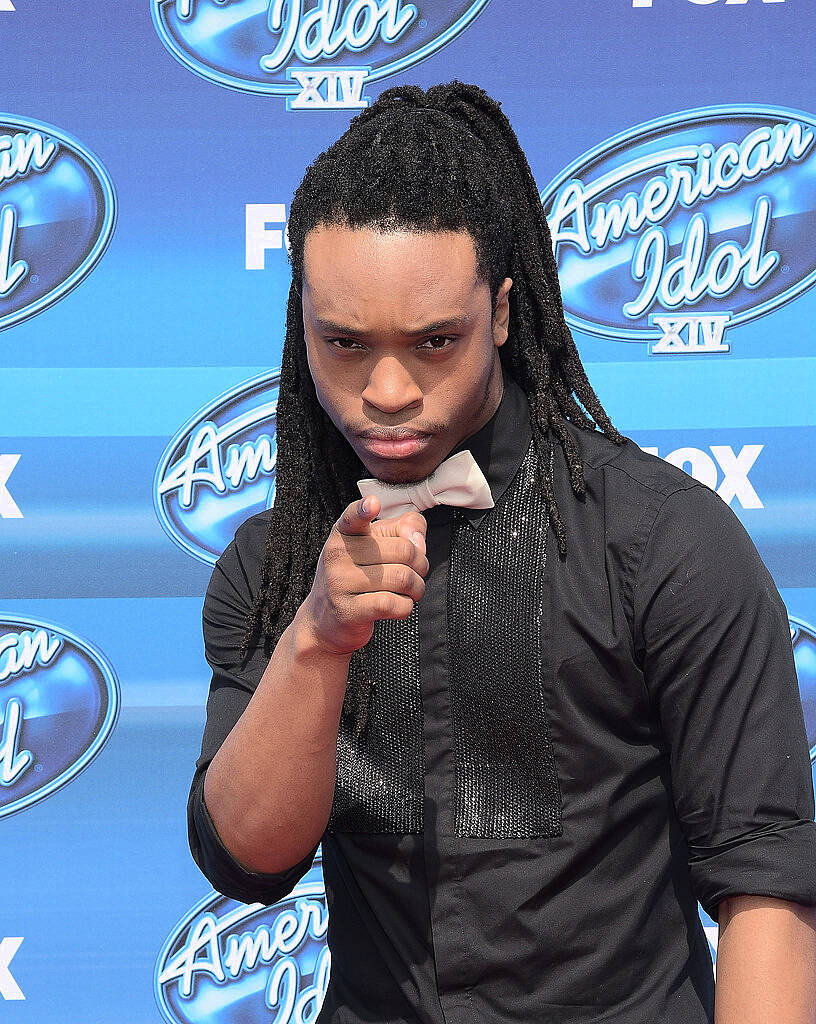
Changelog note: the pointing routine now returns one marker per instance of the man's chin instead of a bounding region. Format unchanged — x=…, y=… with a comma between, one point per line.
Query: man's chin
x=397, y=475
x=399, y=471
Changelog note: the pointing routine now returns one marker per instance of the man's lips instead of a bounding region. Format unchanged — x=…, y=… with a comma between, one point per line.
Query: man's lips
x=394, y=447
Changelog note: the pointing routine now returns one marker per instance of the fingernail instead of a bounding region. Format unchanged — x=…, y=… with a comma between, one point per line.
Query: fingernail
x=364, y=506
x=417, y=538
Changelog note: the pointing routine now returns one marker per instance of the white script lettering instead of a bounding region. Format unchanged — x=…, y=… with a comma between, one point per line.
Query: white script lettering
x=691, y=275
x=203, y=463
x=13, y=761
x=307, y=917
x=690, y=174
x=27, y=650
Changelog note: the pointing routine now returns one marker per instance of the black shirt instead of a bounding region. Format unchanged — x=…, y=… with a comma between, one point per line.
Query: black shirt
x=563, y=754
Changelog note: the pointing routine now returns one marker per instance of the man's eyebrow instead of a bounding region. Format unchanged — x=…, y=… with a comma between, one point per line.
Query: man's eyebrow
x=445, y=324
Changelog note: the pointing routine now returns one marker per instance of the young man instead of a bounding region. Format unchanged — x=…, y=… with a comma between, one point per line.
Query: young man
x=536, y=696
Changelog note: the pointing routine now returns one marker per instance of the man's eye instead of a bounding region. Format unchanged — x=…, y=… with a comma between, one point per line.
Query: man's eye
x=343, y=343
x=439, y=337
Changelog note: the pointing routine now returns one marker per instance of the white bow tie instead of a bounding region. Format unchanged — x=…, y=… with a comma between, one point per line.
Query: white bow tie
x=457, y=480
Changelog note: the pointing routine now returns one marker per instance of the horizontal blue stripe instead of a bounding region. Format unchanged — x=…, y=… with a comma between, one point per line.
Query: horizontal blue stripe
x=661, y=393
x=664, y=394
x=155, y=644
x=149, y=401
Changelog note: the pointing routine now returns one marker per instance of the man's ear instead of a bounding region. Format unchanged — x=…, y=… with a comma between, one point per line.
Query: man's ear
x=501, y=314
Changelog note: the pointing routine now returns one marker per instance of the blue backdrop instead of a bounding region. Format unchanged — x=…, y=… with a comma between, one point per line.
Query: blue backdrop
x=147, y=158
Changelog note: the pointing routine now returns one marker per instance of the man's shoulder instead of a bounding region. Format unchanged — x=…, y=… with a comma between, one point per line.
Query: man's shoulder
x=250, y=537
x=241, y=560
x=627, y=468
x=644, y=496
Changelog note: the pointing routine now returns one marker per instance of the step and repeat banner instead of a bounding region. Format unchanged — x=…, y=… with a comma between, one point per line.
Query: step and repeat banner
x=148, y=153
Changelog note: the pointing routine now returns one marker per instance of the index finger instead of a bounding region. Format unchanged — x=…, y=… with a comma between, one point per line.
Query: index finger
x=354, y=520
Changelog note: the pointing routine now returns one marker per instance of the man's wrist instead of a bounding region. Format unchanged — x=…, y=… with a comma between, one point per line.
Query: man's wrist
x=306, y=643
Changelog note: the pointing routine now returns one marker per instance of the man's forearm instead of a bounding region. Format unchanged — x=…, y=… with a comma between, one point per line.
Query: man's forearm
x=270, y=786
x=766, y=962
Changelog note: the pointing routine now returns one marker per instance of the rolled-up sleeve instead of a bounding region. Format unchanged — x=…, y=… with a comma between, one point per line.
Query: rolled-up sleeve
x=227, y=602
x=714, y=640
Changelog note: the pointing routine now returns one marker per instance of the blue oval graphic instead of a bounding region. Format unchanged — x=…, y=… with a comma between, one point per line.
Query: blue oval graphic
x=57, y=214
x=277, y=47
x=706, y=214
x=227, y=961
x=59, y=702
x=219, y=469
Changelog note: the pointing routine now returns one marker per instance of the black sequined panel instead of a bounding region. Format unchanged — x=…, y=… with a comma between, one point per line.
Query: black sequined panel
x=506, y=782
x=380, y=775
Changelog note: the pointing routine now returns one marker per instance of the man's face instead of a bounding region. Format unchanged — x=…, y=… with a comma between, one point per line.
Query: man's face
x=401, y=341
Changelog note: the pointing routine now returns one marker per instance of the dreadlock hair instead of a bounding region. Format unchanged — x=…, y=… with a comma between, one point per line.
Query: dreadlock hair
x=444, y=159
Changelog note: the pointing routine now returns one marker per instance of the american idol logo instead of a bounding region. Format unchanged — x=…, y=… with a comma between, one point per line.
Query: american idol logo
x=319, y=54
x=57, y=213
x=219, y=468
x=803, y=638
x=227, y=961
x=678, y=230
x=59, y=702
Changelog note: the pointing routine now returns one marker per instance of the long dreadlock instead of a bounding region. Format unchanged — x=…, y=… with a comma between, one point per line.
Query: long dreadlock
x=442, y=159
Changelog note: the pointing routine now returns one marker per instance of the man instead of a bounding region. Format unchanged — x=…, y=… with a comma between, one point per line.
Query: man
x=547, y=699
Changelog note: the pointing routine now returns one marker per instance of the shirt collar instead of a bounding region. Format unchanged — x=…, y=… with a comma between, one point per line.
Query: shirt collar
x=498, y=447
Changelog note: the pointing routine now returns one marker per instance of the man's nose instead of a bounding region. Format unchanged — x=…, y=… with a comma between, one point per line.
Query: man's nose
x=391, y=388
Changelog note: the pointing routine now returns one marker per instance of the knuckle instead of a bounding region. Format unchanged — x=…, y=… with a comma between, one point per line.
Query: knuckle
x=405, y=550
x=333, y=552
x=403, y=577
x=399, y=607
x=347, y=517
